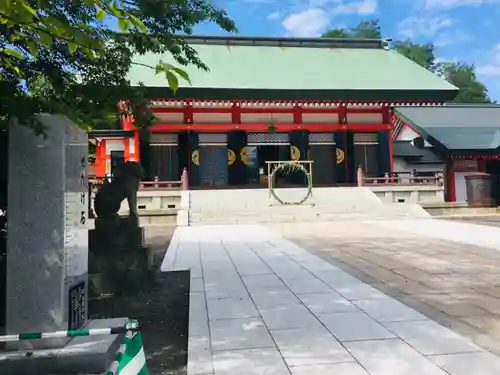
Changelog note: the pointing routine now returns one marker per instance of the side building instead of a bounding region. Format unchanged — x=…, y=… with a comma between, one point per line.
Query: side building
x=460, y=139
x=267, y=99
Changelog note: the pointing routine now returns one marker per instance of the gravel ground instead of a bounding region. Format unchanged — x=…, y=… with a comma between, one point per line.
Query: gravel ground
x=162, y=307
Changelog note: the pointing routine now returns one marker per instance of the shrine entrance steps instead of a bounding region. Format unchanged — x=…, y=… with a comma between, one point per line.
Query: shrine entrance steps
x=253, y=206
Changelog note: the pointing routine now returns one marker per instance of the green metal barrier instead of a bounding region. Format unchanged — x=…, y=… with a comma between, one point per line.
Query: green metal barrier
x=130, y=358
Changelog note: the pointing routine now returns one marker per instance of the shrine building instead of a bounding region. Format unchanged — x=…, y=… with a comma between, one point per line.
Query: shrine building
x=461, y=139
x=331, y=101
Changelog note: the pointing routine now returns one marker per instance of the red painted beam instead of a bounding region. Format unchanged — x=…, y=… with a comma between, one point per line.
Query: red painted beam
x=264, y=128
x=386, y=114
x=302, y=102
x=297, y=114
x=188, y=113
x=235, y=114
x=342, y=111
x=290, y=110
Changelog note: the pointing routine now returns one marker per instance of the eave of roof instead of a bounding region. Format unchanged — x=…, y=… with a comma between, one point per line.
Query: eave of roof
x=287, y=42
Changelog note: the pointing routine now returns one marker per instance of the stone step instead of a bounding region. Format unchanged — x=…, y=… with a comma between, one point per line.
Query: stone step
x=326, y=204
x=307, y=214
x=222, y=200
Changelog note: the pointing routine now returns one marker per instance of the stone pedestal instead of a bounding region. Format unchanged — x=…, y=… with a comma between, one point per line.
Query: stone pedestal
x=118, y=259
x=47, y=240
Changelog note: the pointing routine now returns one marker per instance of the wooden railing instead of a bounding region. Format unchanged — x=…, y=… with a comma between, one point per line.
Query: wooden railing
x=160, y=185
x=403, y=179
x=156, y=184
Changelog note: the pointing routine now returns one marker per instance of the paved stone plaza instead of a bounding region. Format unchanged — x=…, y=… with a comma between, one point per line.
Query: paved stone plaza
x=261, y=304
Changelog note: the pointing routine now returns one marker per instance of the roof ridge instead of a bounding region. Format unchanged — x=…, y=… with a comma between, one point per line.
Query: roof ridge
x=235, y=40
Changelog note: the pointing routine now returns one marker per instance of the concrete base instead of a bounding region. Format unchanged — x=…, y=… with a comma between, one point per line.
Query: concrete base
x=182, y=218
x=82, y=355
x=446, y=209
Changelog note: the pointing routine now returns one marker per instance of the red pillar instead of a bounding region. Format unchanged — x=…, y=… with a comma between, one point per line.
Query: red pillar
x=391, y=159
x=450, y=180
x=481, y=165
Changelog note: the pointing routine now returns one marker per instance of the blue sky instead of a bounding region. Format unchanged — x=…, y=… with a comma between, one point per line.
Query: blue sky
x=462, y=30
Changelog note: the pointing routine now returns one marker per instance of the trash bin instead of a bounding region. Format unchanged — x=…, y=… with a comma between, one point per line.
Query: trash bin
x=479, y=189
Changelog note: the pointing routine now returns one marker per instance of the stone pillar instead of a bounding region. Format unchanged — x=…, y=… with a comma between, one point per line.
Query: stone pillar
x=47, y=245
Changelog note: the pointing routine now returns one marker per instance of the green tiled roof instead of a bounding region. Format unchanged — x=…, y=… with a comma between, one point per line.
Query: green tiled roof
x=312, y=65
x=456, y=127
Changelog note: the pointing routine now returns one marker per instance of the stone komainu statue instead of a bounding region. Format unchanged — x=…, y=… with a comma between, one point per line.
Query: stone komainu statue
x=124, y=185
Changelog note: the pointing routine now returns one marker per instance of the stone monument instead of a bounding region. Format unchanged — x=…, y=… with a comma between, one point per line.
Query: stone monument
x=47, y=249
x=47, y=243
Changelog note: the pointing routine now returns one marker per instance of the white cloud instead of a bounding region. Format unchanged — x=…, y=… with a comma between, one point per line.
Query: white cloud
x=362, y=8
x=492, y=69
x=451, y=37
x=273, y=16
x=443, y=4
x=256, y=2
x=309, y=23
x=313, y=21
x=412, y=27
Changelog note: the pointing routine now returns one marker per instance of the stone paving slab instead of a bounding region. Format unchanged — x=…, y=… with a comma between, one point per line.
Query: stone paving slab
x=462, y=232
x=423, y=265
x=261, y=304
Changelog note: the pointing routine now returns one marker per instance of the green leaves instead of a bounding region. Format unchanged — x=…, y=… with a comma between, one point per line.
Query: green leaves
x=181, y=73
x=11, y=52
x=83, y=63
x=72, y=47
x=138, y=23
x=172, y=74
x=124, y=24
x=100, y=14
x=172, y=79
x=29, y=9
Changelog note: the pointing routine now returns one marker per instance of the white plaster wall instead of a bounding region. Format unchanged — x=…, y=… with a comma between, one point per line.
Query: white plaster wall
x=460, y=191
x=400, y=165
x=114, y=145
x=407, y=134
